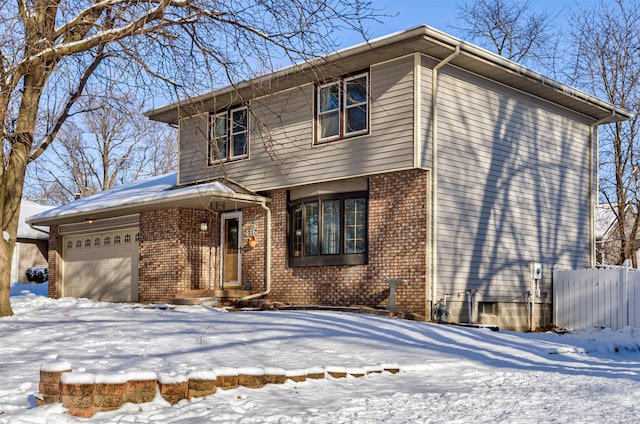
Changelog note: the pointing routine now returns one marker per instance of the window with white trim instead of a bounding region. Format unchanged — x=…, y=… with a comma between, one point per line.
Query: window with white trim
x=342, y=108
x=229, y=135
x=329, y=230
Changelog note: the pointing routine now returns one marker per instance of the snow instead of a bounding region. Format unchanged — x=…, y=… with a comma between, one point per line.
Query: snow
x=28, y=208
x=448, y=374
x=147, y=191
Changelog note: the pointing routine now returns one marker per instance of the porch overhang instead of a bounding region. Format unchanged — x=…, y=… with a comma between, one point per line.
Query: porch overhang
x=148, y=195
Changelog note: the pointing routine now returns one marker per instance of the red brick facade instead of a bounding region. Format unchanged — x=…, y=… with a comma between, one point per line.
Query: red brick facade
x=397, y=249
x=174, y=254
x=55, y=243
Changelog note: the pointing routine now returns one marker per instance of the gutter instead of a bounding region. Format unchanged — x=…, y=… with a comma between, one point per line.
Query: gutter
x=33, y=227
x=267, y=290
x=434, y=171
x=435, y=36
x=594, y=177
x=146, y=204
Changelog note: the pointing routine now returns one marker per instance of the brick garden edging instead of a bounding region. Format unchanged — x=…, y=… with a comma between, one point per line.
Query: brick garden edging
x=84, y=394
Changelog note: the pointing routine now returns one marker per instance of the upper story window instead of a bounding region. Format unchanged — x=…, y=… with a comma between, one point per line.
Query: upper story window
x=229, y=135
x=342, y=108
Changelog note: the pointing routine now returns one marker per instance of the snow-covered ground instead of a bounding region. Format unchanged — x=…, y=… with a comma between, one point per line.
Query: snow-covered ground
x=448, y=374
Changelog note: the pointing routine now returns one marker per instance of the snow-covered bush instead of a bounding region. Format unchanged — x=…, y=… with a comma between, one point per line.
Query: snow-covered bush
x=37, y=274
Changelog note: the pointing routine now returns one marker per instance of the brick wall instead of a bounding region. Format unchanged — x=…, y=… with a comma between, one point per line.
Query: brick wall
x=253, y=259
x=397, y=249
x=32, y=253
x=174, y=254
x=55, y=243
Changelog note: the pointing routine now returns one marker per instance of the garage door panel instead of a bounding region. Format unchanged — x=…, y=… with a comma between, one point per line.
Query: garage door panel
x=101, y=266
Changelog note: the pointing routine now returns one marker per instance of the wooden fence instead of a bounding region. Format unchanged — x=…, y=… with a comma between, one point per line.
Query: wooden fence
x=607, y=297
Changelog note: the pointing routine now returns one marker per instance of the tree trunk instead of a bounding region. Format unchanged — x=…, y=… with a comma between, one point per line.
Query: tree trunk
x=6, y=254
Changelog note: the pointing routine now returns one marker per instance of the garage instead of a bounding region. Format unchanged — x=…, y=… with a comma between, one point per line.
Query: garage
x=101, y=265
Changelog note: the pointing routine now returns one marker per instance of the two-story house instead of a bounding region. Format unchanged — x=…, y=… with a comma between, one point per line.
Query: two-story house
x=415, y=156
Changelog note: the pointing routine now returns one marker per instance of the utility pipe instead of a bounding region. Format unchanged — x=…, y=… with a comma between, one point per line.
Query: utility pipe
x=593, y=184
x=434, y=169
x=267, y=290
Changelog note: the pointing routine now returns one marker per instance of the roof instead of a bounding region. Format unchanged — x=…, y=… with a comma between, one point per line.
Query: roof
x=423, y=39
x=150, y=194
x=28, y=208
x=605, y=218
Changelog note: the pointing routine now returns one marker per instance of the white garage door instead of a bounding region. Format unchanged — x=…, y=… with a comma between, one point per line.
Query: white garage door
x=101, y=266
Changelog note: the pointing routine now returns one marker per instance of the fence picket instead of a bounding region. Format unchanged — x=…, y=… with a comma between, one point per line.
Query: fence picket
x=596, y=297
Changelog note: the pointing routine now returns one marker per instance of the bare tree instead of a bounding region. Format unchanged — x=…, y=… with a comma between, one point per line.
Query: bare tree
x=50, y=51
x=607, y=42
x=112, y=143
x=511, y=28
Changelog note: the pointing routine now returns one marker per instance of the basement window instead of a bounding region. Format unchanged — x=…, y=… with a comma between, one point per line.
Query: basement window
x=488, y=308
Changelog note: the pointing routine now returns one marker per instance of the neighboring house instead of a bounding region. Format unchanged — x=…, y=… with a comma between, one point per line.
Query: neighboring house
x=608, y=238
x=31, y=248
x=415, y=156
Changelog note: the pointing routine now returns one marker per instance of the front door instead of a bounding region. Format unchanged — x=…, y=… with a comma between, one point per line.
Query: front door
x=231, y=258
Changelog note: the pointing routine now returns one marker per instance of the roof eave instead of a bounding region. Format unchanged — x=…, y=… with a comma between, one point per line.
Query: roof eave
x=221, y=202
x=436, y=44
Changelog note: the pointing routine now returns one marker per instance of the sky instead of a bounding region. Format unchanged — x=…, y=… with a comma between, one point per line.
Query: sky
x=442, y=15
x=448, y=374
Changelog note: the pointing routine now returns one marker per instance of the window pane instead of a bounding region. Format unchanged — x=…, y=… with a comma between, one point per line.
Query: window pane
x=239, y=118
x=239, y=132
x=219, y=149
x=329, y=98
x=329, y=124
x=356, y=91
x=331, y=227
x=311, y=229
x=240, y=145
x=297, y=231
x=220, y=126
x=355, y=229
x=356, y=119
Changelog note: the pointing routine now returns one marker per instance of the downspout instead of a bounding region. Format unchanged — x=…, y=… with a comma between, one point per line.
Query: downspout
x=593, y=185
x=267, y=290
x=434, y=170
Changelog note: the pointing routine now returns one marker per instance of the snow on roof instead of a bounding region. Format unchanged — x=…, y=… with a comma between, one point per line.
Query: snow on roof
x=28, y=208
x=154, y=189
x=605, y=217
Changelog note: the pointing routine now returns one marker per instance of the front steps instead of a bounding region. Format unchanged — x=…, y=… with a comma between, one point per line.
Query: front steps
x=218, y=297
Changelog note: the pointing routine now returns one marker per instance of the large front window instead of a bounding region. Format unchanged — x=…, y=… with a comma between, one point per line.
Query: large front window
x=229, y=136
x=329, y=230
x=343, y=108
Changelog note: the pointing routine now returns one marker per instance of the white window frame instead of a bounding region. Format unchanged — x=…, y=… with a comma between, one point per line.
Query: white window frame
x=233, y=134
x=345, y=107
x=342, y=109
x=320, y=113
x=228, y=137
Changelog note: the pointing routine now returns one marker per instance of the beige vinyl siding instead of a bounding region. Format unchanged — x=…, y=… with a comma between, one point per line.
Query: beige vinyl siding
x=427, y=65
x=513, y=187
x=282, y=152
x=193, y=135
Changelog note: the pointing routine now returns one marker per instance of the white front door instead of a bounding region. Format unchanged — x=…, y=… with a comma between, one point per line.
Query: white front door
x=231, y=229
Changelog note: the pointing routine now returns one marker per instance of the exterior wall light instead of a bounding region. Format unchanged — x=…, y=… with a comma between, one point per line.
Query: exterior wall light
x=204, y=226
